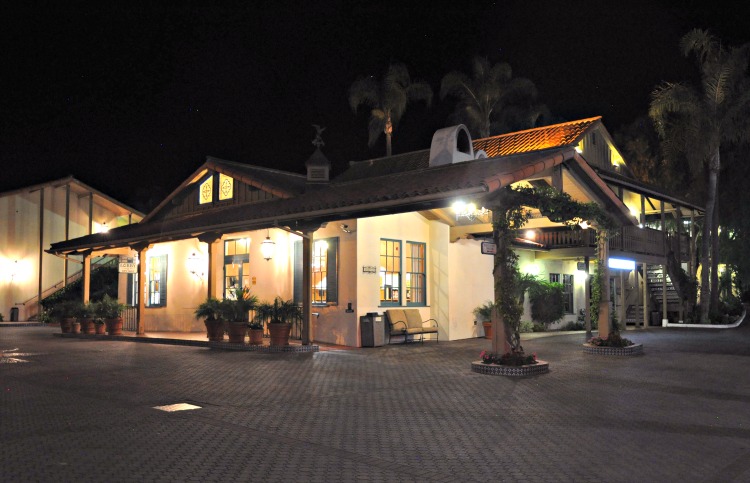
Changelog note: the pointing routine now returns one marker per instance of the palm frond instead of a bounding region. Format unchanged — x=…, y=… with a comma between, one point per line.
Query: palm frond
x=701, y=43
x=420, y=91
x=455, y=84
x=363, y=91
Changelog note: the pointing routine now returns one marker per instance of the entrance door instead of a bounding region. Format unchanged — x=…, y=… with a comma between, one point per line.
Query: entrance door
x=236, y=264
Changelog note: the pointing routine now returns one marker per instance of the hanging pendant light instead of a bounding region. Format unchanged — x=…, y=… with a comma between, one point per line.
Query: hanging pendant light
x=267, y=247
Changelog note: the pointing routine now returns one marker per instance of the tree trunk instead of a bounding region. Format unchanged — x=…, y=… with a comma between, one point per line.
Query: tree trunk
x=714, y=307
x=713, y=182
x=388, y=132
x=502, y=337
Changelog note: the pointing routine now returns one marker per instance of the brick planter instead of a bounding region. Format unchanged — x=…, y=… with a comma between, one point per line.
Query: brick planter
x=541, y=367
x=631, y=350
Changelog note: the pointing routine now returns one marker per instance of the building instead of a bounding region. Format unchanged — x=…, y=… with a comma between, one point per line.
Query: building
x=404, y=230
x=33, y=217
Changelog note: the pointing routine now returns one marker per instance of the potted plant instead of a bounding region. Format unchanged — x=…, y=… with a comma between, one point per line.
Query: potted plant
x=210, y=312
x=282, y=313
x=98, y=319
x=236, y=309
x=85, y=316
x=65, y=313
x=483, y=313
x=255, y=331
x=110, y=312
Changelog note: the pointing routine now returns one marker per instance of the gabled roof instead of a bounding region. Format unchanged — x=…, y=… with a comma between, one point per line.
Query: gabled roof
x=80, y=188
x=399, y=192
x=567, y=134
x=282, y=184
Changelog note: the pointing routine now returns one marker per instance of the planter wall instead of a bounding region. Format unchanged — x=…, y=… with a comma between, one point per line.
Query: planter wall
x=114, y=326
x=255, y=336
x=237, y=332
x=541, y=367
x=632, y=350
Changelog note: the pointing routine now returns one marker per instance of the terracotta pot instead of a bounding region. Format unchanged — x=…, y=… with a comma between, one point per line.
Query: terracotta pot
x=214, y=329
x=66, y=325
x=255, y=336
x=487, y=330
x=87, y=326
x=76, y=327
x=237, y=331
x=114, y=326
x=279, y=333
x=99, y=329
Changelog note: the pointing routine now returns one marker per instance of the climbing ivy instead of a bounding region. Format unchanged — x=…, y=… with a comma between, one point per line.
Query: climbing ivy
x=510, y=214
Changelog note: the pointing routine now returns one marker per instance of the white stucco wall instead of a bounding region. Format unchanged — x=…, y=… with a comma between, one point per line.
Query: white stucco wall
x=471, y=284
x=19, y=243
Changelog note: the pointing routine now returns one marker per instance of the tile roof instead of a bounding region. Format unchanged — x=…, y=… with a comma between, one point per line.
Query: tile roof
x=562, y=135
x=537, y=139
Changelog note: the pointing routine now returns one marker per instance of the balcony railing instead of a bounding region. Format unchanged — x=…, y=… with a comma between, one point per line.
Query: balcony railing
x=632, y=239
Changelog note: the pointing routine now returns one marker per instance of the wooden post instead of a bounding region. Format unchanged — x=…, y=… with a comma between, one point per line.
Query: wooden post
x=141, y=326
x=587, y=298
x=604, y=282
x=306, y=286
x=41, y=253
x=663, y=271
x=67, y=231
x=645, y=296
x=86, y=277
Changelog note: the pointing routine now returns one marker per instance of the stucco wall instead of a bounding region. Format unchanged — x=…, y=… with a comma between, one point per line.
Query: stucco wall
x=19, y=243
x=471, y=284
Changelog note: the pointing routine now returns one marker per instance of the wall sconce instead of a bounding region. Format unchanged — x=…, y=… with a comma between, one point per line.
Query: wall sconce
x=469, y=210
x=104, y=228
x=194, y=265
x=267, y=247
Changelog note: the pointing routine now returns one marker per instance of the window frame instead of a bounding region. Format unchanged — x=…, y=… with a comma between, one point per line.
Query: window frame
x=383, y=274
x=409, y=274
x=162, y=281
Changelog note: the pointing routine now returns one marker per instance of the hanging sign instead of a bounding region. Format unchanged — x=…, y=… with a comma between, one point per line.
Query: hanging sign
x=489, y=248
x=128, y=267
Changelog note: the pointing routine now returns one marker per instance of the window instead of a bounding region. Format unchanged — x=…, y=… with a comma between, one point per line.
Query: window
x=415, y=274
x=567, y=283
x=156, y=277
x=226, y=187
x=568, y=293
x=236, y=264
x=206, y=191
x=324, y=271
x=390, y=272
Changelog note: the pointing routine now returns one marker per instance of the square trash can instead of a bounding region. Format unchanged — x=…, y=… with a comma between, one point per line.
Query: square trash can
x=372, y=330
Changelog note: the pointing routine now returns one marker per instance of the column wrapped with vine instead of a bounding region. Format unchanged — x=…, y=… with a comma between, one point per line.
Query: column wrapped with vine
x=510, y=212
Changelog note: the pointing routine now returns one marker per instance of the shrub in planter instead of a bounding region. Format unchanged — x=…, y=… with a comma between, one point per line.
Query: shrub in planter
x=210, y=312
x=110, y=312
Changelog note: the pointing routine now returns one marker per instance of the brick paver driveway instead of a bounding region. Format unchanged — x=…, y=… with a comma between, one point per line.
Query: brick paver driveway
x=82, y=410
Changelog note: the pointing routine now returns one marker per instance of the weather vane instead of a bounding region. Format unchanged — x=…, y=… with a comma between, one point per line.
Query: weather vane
x=318, y=141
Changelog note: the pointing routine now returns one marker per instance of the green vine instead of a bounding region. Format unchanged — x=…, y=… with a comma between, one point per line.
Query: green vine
x=509, y=214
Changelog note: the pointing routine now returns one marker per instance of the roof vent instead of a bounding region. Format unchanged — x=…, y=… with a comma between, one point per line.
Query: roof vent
x=318, y=167
x=451, y=145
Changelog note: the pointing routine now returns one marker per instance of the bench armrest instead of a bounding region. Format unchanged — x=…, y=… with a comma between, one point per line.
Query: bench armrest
x=433, y=324
x=394, y=324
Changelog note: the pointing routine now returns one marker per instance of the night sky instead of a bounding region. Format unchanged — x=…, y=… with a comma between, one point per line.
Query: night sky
x=131, y=98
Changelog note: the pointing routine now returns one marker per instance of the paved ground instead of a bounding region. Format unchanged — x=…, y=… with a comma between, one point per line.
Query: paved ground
x=82, y=410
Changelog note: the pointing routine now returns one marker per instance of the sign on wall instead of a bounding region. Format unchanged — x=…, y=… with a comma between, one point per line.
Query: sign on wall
x=369, y=269
x=489, y=248
x=127, y=267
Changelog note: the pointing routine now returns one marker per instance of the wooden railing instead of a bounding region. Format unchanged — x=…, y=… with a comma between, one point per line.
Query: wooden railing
x=631, y=239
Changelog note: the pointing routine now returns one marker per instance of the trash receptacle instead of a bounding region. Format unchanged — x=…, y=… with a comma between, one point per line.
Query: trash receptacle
x=372, y=330
x=655, y=319
x=14, y=314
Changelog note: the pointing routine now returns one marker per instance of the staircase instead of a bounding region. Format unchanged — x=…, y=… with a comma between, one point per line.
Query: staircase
x=654, y=276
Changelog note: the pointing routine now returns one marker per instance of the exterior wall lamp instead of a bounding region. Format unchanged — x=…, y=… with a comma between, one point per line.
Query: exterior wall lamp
x=194, y=265
x=267, y=247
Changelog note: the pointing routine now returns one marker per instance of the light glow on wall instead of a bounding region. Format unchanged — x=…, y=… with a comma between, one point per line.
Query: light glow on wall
x=531, y=269
x=621, y=264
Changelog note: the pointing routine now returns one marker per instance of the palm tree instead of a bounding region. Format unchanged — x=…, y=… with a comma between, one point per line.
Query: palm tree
x=699, y=123
x=491, y=101
x=387, y=99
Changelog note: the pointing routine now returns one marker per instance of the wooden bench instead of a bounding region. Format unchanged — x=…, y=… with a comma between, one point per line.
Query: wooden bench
x=408, y=322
